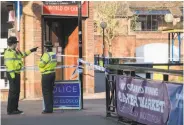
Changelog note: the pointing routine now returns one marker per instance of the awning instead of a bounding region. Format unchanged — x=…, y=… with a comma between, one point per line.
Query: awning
x=151, y=12
x=173, y=31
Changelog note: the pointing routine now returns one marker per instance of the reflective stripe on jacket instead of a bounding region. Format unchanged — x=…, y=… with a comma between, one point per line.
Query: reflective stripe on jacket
x=47, y=63
x=13, y=60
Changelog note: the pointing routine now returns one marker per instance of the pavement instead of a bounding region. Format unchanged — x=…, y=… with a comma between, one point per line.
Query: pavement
x=92, y=114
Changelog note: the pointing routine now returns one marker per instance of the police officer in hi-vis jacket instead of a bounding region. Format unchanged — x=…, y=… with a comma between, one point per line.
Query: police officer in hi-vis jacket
x=13, y=61
x=47, y=65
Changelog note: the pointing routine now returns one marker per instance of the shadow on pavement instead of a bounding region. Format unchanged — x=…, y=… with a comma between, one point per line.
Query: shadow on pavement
x=92, y=114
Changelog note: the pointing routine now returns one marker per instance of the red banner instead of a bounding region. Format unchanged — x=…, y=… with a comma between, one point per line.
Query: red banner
x=65, y=10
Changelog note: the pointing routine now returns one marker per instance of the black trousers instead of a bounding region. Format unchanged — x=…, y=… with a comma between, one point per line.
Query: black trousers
x=14, y=92
x=47, y=90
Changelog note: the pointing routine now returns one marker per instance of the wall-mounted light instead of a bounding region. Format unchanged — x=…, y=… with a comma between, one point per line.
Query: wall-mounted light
x=168, y=18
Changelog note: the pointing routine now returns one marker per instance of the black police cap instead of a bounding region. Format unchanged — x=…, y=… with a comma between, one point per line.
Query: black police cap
x=12, y=39
x=48, y=44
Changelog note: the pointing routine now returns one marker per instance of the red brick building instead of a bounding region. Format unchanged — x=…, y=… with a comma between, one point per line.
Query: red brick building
x=35, y=28
x=149, y=26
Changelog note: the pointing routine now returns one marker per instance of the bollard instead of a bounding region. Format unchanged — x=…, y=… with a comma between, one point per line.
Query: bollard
x=132, y=73
x=165, y=77
x=120, y=72
x=148, y=76
x=107, y=96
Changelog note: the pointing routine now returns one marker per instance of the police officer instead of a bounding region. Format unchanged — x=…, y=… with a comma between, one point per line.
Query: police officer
x=47, y=66
x=13, y=61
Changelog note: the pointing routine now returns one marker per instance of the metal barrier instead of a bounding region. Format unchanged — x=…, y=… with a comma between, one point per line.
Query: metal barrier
x=110, y=60
x=131, y=70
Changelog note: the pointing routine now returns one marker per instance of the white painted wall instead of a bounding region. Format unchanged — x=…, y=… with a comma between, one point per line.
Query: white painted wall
x=155, y=53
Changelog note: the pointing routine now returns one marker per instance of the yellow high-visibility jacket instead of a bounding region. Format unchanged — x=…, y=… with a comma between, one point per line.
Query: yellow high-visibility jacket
x=47, y=63
x=13, y=60
x=101, y=63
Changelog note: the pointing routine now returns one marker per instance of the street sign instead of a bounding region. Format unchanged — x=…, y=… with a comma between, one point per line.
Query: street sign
x=60, y=2
x=67, y=95
x=64, y=8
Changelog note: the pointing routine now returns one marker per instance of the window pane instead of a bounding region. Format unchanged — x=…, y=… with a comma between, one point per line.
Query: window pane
x=149, y=23
x=154, y=23
x=142, y=19
x=160, y=22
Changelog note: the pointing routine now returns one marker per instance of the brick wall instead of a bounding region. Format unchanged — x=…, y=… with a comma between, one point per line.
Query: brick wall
x=122, y=46
x=98, y=40
x=30, y=36
x=88, y=50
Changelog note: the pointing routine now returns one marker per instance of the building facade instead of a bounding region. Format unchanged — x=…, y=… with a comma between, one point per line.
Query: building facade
x=38, y=22
x=147, y=29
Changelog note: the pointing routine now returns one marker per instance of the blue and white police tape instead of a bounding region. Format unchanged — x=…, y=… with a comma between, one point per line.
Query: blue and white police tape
x=80, y=70
x=90, y=66
x=97, y=67
x=36, y=67
x=3, y=69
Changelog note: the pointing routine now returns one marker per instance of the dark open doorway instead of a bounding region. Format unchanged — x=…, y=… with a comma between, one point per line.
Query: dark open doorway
x=63, y=33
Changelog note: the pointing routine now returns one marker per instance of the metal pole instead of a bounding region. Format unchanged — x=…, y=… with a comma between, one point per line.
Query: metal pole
x=103, y=48
x=169, y=42
x=80, y=49
x=179, y=51
x=1, y=65
x=98, y=59
x=18, y=16
x=43, y=32
x=107, y=95
x=50, y=31
x=172, y=46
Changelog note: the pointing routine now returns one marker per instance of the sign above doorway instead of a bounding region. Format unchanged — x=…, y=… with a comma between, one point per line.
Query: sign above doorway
x=60, y=2
x=64, y=8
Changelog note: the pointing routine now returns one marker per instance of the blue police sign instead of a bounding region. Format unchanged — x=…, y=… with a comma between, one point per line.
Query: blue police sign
x=67, y=95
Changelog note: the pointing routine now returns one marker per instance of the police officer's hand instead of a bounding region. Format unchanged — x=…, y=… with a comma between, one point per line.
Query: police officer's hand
x=34, y=49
